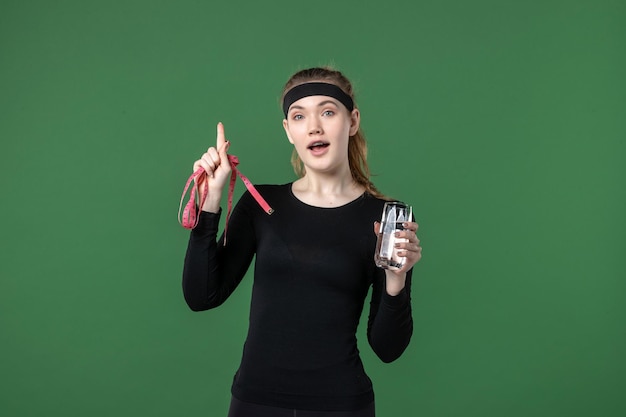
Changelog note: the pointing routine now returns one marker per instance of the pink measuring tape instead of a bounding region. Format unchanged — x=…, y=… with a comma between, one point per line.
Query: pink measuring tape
x=190, y=215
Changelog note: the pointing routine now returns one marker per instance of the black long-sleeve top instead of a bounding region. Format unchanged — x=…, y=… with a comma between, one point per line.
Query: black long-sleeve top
x=313, y=270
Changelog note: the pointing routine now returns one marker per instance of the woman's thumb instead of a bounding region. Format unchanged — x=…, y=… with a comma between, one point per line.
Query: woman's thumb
x=225, y=148
x=223, y=152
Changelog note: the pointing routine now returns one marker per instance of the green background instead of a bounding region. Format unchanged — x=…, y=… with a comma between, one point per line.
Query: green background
x=502, y=122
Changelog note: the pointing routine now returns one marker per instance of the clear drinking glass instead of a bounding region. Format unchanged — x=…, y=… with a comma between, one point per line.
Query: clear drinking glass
x=395, y=213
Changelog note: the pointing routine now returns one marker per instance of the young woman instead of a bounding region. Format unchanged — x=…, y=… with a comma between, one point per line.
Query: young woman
x=314, y=263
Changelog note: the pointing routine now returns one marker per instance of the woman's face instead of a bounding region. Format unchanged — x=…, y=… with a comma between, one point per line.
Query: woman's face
x=319, y=127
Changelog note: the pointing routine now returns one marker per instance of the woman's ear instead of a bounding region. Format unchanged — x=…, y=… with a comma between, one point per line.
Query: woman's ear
x=355, y=121
x=286, y=127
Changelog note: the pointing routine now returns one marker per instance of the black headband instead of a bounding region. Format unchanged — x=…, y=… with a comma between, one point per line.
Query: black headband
x=316, y=89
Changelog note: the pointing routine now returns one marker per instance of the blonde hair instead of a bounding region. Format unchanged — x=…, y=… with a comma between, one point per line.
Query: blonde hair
x=357, y=146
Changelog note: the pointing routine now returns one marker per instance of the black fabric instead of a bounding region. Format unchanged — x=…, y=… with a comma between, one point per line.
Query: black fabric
x=316, y=89
x=313, y=269
x=243, y=409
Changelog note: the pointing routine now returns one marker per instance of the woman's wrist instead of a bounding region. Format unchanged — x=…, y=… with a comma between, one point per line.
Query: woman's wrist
x=394, y=283
x=212, y=202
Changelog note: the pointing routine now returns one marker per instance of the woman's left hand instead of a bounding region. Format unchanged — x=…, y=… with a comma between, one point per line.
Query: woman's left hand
x=410, y=249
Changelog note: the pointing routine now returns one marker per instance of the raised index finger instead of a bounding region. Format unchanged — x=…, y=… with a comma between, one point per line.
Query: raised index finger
x=221, y=139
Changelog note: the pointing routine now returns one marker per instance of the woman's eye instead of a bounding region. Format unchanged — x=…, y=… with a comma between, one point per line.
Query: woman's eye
x=328, y=113
x=297, y=117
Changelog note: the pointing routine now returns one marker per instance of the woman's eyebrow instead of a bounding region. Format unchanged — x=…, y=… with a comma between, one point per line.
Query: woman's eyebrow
x=323, y=103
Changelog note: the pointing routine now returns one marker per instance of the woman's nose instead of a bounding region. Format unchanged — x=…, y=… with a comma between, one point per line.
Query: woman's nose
x=315, y=128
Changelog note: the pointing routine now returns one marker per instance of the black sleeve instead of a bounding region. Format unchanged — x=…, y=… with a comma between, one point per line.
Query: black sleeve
x=212, y=270
x=390, y=324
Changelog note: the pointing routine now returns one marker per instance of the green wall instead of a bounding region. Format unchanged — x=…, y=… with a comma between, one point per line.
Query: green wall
x=502, y=122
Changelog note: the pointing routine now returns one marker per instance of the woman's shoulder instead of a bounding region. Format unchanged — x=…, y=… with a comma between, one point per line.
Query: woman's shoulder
x=273, y=187
x=273, y=190
x=374, y=199
x=271, y=193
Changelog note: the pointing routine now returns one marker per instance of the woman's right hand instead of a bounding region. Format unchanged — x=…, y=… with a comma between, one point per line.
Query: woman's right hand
x=216, y=165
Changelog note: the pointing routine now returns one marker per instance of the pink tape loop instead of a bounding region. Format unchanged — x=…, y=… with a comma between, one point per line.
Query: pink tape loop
x=190, y=214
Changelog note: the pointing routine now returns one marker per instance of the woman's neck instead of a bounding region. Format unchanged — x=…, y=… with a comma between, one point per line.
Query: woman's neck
x=326, y=191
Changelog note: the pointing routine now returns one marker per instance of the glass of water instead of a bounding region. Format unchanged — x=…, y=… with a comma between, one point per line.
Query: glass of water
x=395, y=213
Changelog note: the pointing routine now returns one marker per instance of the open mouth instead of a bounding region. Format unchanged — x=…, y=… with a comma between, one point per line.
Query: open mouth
x=318, y=145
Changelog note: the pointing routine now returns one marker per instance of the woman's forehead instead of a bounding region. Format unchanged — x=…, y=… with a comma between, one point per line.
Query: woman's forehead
x=314, y=101
x=313, y=89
